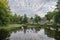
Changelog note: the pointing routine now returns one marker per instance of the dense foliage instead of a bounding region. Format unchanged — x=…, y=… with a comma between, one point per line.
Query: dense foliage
x=4, y=12
x=55, y=15
x=37, y=19
x=57, y=18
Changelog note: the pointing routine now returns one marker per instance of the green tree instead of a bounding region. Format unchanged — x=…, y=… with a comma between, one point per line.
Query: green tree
x=58, y=6
x=32, y=19
x=50, y=15
x=57, y=16
x=4, y=12
x=37, y=19
x=15, y=18
x=21, y=19
x=25, y=19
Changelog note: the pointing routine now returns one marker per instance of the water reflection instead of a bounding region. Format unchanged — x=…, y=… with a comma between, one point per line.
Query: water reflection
x=4, y=34
x=30, y=34
x=33, y=33
x=53, y=33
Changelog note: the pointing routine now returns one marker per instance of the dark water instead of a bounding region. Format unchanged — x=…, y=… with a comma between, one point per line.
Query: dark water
x=34, y=34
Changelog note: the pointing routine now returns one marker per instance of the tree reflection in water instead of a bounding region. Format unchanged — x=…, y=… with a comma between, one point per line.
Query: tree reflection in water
x=53, y=33
x=34, y=33
x=4, y=34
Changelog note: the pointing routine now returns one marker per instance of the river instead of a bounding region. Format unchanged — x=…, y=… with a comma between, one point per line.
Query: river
x=31, y=34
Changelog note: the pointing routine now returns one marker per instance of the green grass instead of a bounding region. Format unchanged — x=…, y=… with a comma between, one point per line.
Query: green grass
x=10, y=26
x=15, y=26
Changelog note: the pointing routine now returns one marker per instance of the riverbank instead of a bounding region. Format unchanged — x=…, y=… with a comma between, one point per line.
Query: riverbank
x=42, y=25
x=16, y=26
x=11, y=27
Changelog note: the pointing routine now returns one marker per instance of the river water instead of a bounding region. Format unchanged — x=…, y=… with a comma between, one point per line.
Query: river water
x=30, y=34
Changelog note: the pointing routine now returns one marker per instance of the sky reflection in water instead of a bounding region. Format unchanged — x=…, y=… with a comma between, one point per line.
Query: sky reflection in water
x=30, y=35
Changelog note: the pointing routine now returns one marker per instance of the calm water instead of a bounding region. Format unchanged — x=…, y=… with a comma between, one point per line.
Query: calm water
x=31, y=34
x=36, y=33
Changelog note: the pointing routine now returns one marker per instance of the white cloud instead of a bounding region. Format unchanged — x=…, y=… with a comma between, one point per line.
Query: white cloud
x=31, y=7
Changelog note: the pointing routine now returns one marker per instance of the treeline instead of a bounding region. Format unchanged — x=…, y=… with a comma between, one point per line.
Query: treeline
x=17, y=19
x=6, y=16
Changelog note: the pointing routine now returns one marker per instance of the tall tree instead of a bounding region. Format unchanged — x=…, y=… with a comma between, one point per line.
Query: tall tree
x=4, y=12
x=21, y=19
x=32, y=19
x=50, y=15
x=37, y=19
x=58, y=6
x=25, y=19
x=57, y=16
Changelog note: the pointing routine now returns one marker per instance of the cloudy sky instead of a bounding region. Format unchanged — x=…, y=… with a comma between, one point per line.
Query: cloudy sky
x=32, y=7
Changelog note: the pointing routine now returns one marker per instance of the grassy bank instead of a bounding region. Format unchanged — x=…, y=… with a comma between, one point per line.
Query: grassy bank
x=11, y=26
x=16, y=26
x=43, y=25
